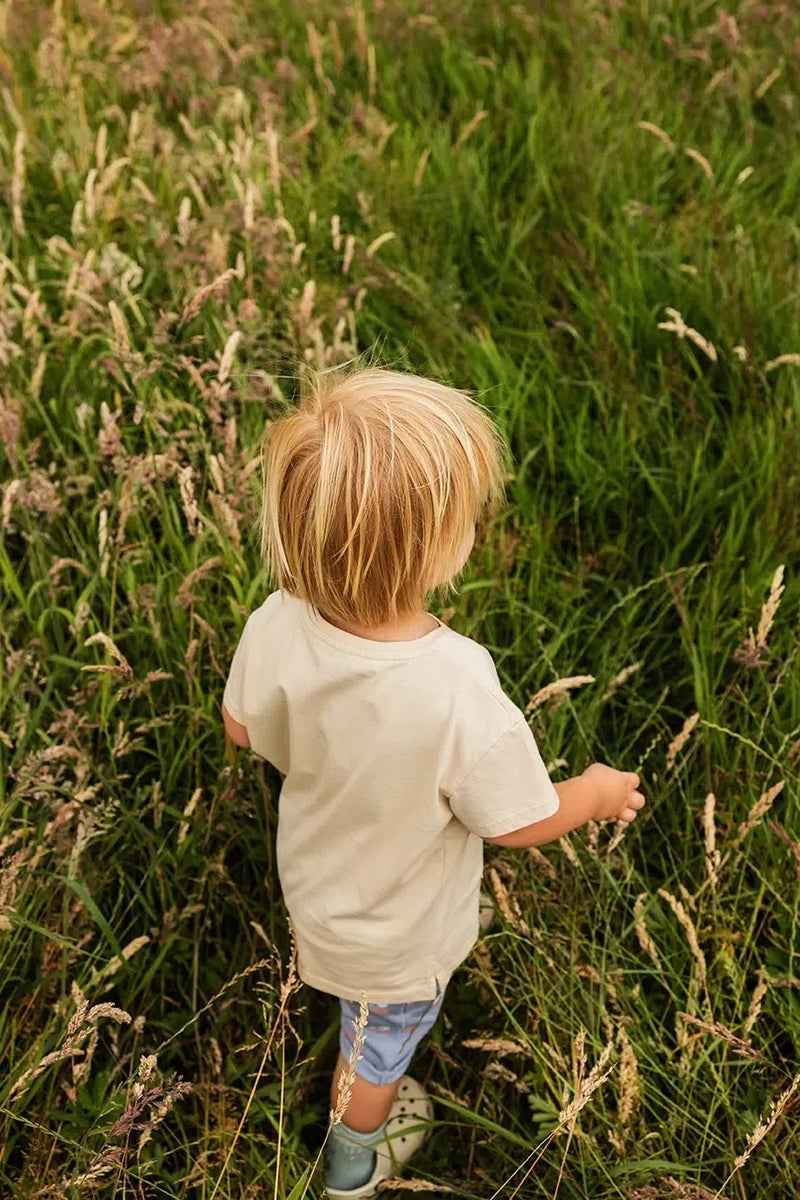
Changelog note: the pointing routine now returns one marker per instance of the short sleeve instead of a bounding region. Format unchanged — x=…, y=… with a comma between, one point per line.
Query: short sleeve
x=507, y=788
x=233, y=696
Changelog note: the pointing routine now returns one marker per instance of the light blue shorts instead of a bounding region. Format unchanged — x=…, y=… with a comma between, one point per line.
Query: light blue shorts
x=392, y=1034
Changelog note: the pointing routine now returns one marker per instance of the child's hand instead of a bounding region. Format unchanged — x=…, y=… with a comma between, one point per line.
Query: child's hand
x=617, y=797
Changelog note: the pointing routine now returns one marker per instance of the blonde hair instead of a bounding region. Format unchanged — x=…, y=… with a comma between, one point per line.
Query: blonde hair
x=371, y=488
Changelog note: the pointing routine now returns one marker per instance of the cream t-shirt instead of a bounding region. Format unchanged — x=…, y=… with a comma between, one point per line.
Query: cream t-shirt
x=398, y=757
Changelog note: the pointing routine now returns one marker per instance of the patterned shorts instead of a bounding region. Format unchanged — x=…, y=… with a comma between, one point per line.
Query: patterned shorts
x=392, y=1034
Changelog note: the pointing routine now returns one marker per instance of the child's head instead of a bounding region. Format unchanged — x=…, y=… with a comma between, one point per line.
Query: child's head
x=372, y=488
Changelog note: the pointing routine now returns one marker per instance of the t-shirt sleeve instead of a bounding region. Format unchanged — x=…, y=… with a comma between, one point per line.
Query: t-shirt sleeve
x=507, y=788
x=233, y=696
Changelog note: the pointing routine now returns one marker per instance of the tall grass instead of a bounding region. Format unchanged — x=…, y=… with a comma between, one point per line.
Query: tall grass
x=567, y=208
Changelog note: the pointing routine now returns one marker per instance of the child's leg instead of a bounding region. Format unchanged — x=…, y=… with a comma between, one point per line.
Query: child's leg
x=369, y=1102
x=392, y=1034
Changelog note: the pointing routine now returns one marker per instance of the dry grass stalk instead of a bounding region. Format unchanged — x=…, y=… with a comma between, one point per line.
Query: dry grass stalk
x=499, y=1046
x=470, y=127
x=79, y=1029
x=649, y=127
x=677, y=325
x=759, y=992
x=586, y=1085
x=413, y=1185
x=228, y=355
x=677, y=744
x=642, y=934
x=558, y=687
x=543, y=862
x=764, y=1127
x=629, y=1084
x=569, y=852
x=737, y=1044
x=761, y=806
x=703, y=161
x=622, y=678
x=18, y=183
x=422, y=163
x=691, y=933
x=123, y=667
x=770, y=607
x=344, y=1086
x=217, y=287
x=507, y=904
x=781, y=833
x=191, y=805
x=767, y=83
x=375, y=245
x=783, y=360
x=710, y=840
x=190, y=509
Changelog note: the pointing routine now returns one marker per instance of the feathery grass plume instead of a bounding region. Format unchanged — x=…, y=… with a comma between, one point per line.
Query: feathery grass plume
x=744, y=175
x=470, y=128
x=669, y=1188
x=122, y=341
x=629, y=1083
x=559, y=687
x=496, y=1070
x=741, y=353
x=114, y=964
x=79, y=1029
x=649, y=127
x=702, y=160
x=710, y=840
x=763, y=1128
x=677, y=744
x=349, y=251
x=783, y=836
x=677, y=325
x=499, y=1046
x=691, y=936
x=191, y=805
x=336, y=233
x=759, y=992
x=379, y=241
x=508, y=904
x=422, y=163
x=18, y=184
x=228, y=355
x=738, y=1045
x=622, y=678
x=414, y=1185
x=783, y=360
x=770, y=607
x=344, y=1084
x=642, y=934
x=569, y=852
x=217, y=287
x=186, y=488
x=543, y=862
x=306, y=306
x=761, y=806
x=586, y=1085
x=767, y=83
x=123, y=667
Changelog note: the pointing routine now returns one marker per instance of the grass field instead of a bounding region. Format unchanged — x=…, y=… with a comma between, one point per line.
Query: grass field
x=511, y=198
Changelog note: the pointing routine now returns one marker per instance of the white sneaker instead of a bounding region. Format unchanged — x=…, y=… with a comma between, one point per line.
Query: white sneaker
x=404, y=1135
x=486, y=912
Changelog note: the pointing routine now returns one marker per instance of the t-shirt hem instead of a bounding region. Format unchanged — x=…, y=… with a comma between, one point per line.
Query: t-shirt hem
x=518, y=819
x=400, y=994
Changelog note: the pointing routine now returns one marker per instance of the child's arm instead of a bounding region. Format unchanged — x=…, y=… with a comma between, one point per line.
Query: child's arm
x=234, y=730
x=601, y=793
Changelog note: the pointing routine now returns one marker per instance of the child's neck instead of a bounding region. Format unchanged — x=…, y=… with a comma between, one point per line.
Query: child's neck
x=405, y=628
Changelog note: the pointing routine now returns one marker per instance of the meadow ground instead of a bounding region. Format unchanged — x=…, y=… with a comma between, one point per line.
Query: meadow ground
x=587, y=213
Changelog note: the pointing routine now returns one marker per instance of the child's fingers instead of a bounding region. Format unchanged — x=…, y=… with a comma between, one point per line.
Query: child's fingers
x=636, y=800
x=627, y=815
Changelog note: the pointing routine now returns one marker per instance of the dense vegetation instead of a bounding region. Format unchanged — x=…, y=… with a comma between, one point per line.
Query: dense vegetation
x=586, y=212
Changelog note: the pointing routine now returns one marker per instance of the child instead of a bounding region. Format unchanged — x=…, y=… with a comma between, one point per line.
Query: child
x=400, y=751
